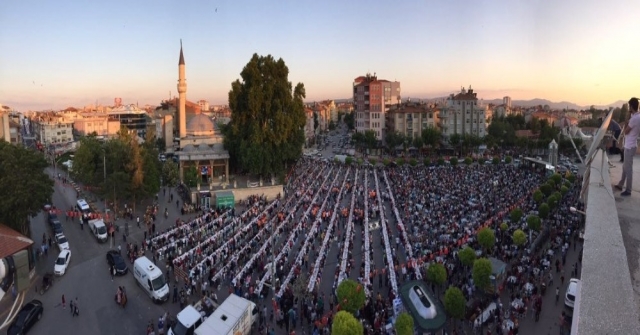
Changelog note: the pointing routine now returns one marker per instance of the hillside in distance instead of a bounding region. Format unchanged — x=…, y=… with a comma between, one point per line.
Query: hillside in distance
x=523, y=103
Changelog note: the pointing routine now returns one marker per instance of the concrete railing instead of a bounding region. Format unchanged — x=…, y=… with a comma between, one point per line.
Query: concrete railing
x=604, y=303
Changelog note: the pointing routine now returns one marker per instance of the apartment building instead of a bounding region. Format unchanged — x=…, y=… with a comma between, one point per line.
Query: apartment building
x=309, y=131
x=372, y=98
x=51, y=128
x=463, y=114
x=99, y=123
x=410, y=118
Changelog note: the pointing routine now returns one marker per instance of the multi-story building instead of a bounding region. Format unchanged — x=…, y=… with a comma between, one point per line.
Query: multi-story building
x=309, y=132
x=463, y=114
x=51, y=128
x=372, y=98
x=409, y=119
x=204, y=105
x=131, y=117
x=324, y=115
x=9, y=125
x=99, y=123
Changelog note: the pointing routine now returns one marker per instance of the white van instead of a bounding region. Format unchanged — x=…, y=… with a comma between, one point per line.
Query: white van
x=83, y=206
x=151, y=279
x=98, y=229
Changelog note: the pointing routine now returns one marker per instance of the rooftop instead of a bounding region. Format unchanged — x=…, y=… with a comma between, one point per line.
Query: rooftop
x=11, y=241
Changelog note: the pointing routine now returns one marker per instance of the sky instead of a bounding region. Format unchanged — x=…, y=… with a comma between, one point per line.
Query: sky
x=64, y=53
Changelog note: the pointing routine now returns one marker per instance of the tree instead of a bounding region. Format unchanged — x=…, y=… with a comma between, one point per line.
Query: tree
x=370, y=139
x=431, y=137
x=552, y=201
x=453, y=161
x=538, y=196
x=88, y=161
x=508, y=160
x=413, y=162
x=455, y=303
x=467, y=256
x=418, y=142
x=481, y=273
x=267, y=118
x=348, y=160
x=455, y=140
x=404, y=324
x=161, y=145
x=516, y=215
x=486, y=238
x=504, y=226
x=519, y=238
x=533, y=222
x=349, y=120
x=543, y=210
x=24, y=186
x=426, y=162
x=495, y=161
x=170, y=173
x=315, y=122
x=468, y=161
x=556, y=178
x=437, y=274
x=350, y=296
x=346, y=324
x=481, y=161
x=546, y=189
x=191, y=176
x=564, y=190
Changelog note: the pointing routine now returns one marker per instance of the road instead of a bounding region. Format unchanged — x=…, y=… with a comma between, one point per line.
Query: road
x=88, y=279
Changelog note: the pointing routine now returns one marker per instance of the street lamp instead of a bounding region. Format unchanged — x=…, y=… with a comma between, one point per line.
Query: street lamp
x=575, y=210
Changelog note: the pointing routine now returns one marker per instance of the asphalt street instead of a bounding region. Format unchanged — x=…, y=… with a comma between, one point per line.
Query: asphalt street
x=88, y=279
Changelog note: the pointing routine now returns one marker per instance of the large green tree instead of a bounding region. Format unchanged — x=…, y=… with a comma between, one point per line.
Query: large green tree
x=24, y=186
x=437, y=274
x=346, y=324
x=170, y=173
x=486, y=238
x=404, y=324
x=351, y=296
x=481, y=273
x=454, y=303
x=467, y=256
x=267, y=118
x=88, y=161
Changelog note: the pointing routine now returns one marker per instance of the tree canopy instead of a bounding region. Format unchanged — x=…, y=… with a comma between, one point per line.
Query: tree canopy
x=519, y=237
x=24, y=185
x=467, y=256
x=437, y=274
x=267, y=118
x=132, y=170
x=486, y=238
x=346, y=324
x=454, y=303
x=351, y=296
x=404, y=324
x=481, y=273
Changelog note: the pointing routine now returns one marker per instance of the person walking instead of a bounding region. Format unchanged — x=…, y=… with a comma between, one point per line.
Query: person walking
x=71, y=306
x=112, y=271
x=76, y=310
x=631, y=132
x=557, y=294
x=63, y=302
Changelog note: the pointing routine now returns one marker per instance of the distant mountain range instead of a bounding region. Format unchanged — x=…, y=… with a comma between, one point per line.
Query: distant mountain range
x=525, y=103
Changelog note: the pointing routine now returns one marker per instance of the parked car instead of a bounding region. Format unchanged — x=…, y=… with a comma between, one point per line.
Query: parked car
x=28, y=315
x=572, y=290
x=56, y=226
x=62, y=262
x=62, y=242
x=115, y=259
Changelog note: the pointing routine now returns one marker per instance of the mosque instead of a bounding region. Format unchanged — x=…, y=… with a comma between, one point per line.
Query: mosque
x=201, y=145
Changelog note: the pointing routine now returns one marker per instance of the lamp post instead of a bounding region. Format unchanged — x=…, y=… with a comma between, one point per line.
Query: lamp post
x=575, y=210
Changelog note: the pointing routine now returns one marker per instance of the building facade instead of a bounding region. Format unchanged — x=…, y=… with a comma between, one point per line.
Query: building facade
x=409, y=119
x=98, y=123
x=131, y=117
x=463, y=114
x=372, y=98
x=50, y=128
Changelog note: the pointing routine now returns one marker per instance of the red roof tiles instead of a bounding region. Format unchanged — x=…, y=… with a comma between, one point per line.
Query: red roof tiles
x=11, y=241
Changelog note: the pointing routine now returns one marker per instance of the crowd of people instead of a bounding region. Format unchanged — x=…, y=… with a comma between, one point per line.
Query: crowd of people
x=336, y=222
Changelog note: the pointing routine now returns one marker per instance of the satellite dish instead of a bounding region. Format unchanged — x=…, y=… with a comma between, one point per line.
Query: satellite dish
x=597, y=139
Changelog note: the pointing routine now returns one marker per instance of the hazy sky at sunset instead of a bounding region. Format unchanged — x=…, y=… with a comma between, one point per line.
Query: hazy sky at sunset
x=61, y=53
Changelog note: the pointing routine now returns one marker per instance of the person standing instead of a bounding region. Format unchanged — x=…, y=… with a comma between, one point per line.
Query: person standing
x=63, y=302
x=76, y=311
x=71, y=307
x=631, y=132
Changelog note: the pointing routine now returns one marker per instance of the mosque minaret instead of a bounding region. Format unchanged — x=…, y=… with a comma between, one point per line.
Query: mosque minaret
x=182, y=91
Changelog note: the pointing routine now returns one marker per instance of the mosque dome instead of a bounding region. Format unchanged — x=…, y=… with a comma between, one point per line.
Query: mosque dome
x=200, y=125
